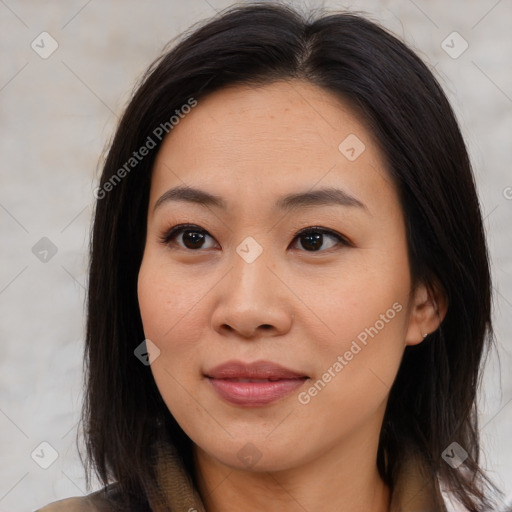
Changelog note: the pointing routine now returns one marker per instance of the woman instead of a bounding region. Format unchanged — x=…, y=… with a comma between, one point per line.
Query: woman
x=289, y=290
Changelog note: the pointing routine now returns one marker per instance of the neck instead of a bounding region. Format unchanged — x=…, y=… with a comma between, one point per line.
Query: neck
x=340, y=480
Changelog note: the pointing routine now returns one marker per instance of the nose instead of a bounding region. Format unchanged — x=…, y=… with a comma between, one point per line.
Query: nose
x=252, y=301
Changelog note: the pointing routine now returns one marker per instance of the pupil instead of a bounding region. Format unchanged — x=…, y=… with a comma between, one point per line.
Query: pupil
x=314, y=241
x=194, y=237
x=194, y=240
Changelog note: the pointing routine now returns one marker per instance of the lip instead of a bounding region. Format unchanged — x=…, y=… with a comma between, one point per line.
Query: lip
x=253, y=384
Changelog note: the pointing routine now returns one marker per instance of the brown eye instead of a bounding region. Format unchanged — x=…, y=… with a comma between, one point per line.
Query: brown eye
x=313, y=239
x=193, y=238
x=187, y=237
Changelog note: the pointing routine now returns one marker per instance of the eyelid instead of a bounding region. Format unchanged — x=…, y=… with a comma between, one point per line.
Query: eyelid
x=168, y=235
x=325, y=231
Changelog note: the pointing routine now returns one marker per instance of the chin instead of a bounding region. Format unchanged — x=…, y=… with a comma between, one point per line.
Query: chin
x=257, y=455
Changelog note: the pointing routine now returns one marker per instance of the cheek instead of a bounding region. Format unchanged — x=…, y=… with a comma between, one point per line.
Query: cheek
x=367, y=346
x=173, y=310
x=169, y=302
x=366, y=313
x=170, y=321
x=357, y=369
x=366, y=299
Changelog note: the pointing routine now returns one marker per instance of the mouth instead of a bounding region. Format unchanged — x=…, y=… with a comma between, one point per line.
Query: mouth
x=254, y=384
x=254, y=380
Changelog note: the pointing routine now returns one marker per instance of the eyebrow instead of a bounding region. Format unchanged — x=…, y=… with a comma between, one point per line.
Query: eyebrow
x=321, y=197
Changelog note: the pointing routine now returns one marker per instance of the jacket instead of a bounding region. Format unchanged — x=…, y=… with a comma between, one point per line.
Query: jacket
x=413, y=491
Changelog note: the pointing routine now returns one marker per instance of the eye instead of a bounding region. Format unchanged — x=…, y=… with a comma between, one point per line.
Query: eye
x=192, y=237
x=313, y=238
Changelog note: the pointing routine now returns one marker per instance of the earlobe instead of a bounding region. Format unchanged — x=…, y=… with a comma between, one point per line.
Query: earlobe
x=429, y=306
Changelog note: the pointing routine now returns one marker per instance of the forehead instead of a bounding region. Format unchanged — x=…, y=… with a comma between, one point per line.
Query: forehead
x=263, y=140
x=270, y=115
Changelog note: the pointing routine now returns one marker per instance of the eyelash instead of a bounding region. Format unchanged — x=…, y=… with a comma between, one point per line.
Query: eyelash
x=172, y=233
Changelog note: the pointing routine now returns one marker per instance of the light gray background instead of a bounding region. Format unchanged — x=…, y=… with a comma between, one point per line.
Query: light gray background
x=58, y=113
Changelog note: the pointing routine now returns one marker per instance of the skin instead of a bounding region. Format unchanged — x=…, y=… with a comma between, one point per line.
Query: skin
x=293, y=306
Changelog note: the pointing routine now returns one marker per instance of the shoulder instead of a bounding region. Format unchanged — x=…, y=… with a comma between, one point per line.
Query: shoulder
x=70, y=505
x=104, y=500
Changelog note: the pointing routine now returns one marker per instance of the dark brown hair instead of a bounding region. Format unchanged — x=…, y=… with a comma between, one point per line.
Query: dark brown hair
x=432, y=402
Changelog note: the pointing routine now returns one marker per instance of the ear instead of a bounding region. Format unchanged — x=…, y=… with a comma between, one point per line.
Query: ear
x=428, y=309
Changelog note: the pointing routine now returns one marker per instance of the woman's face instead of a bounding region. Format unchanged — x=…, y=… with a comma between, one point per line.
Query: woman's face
x=275, y=347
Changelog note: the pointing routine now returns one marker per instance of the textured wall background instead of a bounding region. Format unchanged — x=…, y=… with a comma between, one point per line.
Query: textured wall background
x=58, y=112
